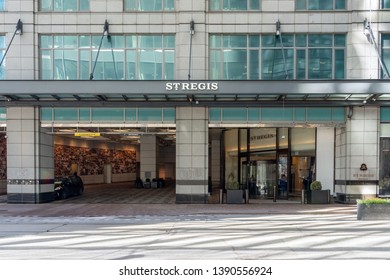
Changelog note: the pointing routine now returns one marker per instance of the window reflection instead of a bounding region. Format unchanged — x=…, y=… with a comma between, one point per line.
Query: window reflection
x=146, y=57
x=300, y=56
x=63, y=5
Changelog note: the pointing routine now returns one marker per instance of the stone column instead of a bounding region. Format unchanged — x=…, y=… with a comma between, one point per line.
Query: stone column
x=30, y=157
x=357, y=147
x=325, y=157
x=148, y=153
x=191, y=155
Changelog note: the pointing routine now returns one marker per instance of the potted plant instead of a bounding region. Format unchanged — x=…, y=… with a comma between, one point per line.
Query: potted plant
x=316, y=195
x=373, y=209
x=234, y=194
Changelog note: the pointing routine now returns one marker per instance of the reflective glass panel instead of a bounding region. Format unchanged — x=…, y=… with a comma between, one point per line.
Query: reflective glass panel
x=169, y=114
x=107, y=114
x=300, y=56
x=253, y=65
x=338, y=114
x=215, y=114
x=65, y=114
x=339, y=64
x=235, y=41
x=262, y=139
x=46, y=114
x=300, y=114
x=277, y=64
x=386, y=4
x=64, y=5
x=85, y=114
x=384, y=170
x=234, y=5
x=301, y=65
x=2, y=52
x=340, y=4
x=45, y=5
x=234, y=114
x=113, y=58
x=319, y=114
x=303, y=141
x=320, y=64
x=65, y=65
x=131, y=62
x=150, y=65
x=386, y=53
x=85, y=61
x=150, y=114
x=231, y=158
x=131, y=114
x=235, y=65
x=149, y=5
x=320, y=40
x=243, y=140
x=68, y=5
x=253, y=114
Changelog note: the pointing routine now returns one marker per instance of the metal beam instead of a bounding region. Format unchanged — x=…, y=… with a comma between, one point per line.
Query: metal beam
x=158, y=104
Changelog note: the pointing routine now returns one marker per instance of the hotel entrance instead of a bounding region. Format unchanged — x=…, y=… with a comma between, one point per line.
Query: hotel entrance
x=269, y=162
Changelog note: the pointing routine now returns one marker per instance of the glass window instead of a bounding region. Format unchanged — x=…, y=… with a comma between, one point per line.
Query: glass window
x=107, y=114
x=46, y=114
x=215, y=114
x=234, y=114
x=386, y=53
x=277, y=64
x=169, y=114
x=385, y=4
x=231, y=158
x=64, y=5
x=234, y=5
x=270, y=57
x=65, y=114
x=2, y=53
x=1, y=5
x=303, y=141
x=319, y=114
x=320, y=4
x=85, y=114
x=149, y=5
x=384, y=170
x=150, y=114
x=146, y=57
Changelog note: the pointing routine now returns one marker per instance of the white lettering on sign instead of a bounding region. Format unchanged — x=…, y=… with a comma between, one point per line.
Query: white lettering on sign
x=191, y=86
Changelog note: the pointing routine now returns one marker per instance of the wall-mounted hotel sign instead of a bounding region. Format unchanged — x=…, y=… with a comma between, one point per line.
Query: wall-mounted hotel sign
x=191, y=86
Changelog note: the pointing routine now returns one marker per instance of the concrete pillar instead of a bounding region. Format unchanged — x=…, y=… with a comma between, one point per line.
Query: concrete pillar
x=30, y=157
x=325, y=157
x=357, y=147
x=148, y=153
x=191, y=155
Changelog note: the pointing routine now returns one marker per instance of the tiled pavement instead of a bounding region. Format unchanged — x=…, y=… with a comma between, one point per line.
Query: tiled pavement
x=123, y=199
x=123, y=193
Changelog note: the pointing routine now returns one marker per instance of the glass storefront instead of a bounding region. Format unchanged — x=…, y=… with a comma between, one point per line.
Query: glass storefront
x=269, y=161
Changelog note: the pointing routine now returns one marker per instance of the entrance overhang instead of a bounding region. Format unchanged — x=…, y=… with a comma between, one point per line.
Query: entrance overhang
x=189, y=93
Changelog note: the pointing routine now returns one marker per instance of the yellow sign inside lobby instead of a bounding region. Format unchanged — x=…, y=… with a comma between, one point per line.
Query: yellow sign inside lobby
x=87, y=134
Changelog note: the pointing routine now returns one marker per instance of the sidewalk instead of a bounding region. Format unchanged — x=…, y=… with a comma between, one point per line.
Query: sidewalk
x=123, y=199
x=115, y=209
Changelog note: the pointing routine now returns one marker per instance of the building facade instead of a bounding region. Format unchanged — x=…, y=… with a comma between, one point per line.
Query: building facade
x=223, y=92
